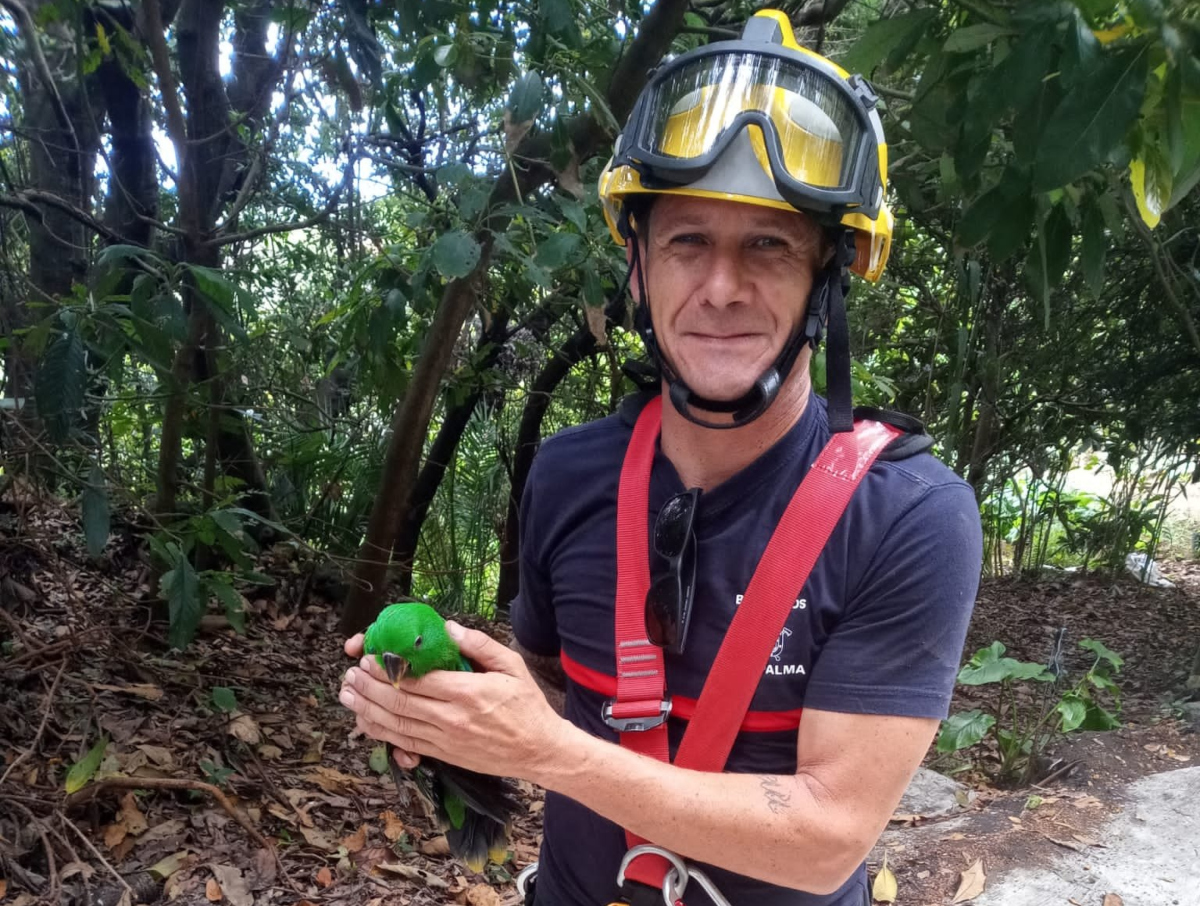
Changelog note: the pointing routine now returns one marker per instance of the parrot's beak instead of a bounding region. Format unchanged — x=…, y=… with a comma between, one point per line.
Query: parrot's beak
x=396, y=667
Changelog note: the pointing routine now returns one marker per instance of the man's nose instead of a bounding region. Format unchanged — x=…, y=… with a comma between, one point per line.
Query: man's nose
x=727, y=278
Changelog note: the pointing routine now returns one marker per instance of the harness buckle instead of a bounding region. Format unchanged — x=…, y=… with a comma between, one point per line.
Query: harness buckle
x=636, y=723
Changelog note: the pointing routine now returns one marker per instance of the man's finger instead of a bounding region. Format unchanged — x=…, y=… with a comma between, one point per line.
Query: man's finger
x=354, y=645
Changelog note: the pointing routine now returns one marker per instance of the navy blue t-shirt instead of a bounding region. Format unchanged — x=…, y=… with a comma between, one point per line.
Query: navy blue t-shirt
x=878, y=628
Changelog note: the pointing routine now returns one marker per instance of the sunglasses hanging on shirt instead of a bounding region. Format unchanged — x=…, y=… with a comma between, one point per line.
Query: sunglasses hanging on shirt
x=669, y=600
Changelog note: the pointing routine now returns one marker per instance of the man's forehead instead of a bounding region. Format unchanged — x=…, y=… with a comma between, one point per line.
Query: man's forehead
x=685, y=210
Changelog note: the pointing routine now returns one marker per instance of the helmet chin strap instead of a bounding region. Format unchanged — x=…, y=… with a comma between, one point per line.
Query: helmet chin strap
x=826, y=304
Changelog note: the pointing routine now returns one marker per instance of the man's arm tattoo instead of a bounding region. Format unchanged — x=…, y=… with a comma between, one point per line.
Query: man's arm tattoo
x=778, y=799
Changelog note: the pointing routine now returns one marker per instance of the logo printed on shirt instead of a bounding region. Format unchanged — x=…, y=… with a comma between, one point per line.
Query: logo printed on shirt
x=775, y=666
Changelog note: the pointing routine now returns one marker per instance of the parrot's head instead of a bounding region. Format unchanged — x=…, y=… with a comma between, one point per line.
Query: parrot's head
x=410, y=638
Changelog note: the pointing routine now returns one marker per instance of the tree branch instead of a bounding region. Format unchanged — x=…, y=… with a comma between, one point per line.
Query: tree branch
x=820, y=12
x=18, y=11
x=267, y=230
x=29, y=199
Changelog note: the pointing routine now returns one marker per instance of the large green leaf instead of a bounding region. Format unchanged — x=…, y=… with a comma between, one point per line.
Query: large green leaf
x=181, y=587
x=455, y=253
x=964, y=729
x=1073, y=711
x=96, y=517
x=973, y=37
x=887, y=38
x=1093, y=249
x=988, y=665
x=59, y=384
x=525, y=99
x=1103, y=652
x=1092, y=119
x=235, y=606
x=556, y=249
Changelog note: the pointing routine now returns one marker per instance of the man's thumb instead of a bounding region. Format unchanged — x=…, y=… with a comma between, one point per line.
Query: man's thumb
x=479, y=647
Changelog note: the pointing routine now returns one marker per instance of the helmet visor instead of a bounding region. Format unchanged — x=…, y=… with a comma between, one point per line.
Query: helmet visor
x=811, y=132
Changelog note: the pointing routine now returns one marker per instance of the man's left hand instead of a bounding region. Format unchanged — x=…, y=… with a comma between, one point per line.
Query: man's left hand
x=496, y=721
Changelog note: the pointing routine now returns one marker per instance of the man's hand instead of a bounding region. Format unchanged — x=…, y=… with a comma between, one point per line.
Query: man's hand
x=496, y=722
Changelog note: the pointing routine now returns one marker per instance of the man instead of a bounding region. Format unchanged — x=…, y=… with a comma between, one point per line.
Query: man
x=748, y=177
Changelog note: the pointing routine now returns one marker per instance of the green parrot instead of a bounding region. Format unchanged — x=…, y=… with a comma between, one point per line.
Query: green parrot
x=410, y=639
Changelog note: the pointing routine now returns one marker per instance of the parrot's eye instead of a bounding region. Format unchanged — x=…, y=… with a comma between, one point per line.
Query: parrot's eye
x=417, y=642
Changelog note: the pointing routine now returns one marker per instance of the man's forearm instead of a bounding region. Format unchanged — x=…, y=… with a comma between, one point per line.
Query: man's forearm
x=784, y=829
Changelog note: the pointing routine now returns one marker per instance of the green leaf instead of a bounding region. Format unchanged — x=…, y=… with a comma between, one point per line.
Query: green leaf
x=59, y=384
x=1103, y=652
x=973, y=37
x=1006, y=207
x=379, y=760
x=224, y=699
x=85, y=768
x=181, y=588
x=964, y=729
x=446, y=55
x=889, y=39
x=235, y=606
x=1092, y=119
x=988, y=665
x=455, y=253
x=1099, y=719
x=1073, y=710
x=215, y=287
x=96, y=517
x=526, y=98
x=555, y=250
x=1094, y=249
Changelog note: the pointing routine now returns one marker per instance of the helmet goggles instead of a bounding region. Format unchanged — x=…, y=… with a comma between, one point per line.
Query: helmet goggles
x=814, y=129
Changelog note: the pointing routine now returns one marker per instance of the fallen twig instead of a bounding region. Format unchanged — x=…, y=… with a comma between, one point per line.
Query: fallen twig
x=95, y=852
x=51, y=865
x=41, y=728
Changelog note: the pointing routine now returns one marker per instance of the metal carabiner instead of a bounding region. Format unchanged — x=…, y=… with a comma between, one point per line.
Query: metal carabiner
x=523, y=876
x=675, y=881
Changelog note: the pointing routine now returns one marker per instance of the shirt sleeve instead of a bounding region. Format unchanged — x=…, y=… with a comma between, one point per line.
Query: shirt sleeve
x=532, y=611
x=897, y=649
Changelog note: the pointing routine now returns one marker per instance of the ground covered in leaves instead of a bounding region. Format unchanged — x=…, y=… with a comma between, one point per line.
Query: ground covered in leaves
x=131, y=773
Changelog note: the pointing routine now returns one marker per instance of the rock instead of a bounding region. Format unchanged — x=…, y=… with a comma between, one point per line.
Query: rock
x=1191, y=715
x=932, y=795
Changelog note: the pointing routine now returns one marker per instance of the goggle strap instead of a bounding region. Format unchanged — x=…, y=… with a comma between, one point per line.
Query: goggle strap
x=838, y=392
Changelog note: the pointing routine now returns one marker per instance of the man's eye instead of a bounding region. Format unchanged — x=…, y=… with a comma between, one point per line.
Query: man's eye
x=769, y=242
x=687, y=239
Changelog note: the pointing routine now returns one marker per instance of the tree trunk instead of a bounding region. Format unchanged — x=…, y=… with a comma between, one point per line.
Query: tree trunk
x=411, y=420
x=62, y=142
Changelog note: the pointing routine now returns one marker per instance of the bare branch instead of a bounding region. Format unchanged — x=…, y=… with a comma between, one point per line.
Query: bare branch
x=30, y=199
x=820, y=12
x=267, y=230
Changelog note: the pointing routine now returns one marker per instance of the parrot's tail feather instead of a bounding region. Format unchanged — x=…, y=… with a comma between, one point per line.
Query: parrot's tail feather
x=478, y=840
x=491, y=796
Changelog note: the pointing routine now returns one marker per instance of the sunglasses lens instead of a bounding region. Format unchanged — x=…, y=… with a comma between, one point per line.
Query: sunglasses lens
x=662, y=612
x=674, y=525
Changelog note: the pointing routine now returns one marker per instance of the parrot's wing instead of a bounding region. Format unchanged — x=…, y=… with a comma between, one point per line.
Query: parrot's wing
x=482, y=793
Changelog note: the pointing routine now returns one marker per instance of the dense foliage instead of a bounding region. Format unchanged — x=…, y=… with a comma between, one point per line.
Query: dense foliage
x=322, y=274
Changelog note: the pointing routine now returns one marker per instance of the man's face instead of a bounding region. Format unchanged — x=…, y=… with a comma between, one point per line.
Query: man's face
x=728, y=283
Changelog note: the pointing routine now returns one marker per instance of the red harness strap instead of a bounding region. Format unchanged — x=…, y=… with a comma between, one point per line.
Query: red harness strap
x=641, y=706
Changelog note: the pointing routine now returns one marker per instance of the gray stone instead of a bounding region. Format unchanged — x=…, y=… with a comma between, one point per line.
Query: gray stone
x=1151, y=850
x=932, y=795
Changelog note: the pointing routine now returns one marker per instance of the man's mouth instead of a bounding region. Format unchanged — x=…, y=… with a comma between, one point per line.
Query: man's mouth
x=397, y=667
